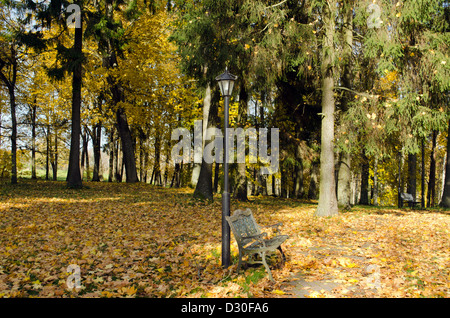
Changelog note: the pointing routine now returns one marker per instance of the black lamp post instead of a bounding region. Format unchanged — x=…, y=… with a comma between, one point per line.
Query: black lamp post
x=226, y=84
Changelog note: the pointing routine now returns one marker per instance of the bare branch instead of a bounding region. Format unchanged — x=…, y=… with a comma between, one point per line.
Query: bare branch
x=358, y=93
x=276, y=5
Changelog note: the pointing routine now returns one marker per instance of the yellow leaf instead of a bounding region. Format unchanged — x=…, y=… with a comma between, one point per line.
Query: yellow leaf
x=107, y=294
x=278, y=292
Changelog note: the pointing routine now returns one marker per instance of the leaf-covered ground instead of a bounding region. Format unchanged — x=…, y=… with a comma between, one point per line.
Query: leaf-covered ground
x=144, y=241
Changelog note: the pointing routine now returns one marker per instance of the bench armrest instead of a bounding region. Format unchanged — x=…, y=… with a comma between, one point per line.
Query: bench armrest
x=276, y=227
x=259, y=238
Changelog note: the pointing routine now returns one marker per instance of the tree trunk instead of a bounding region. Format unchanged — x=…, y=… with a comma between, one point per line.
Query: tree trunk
x=84, y=155
x=111, y=155
x=327, y=194
x=262, y=177
x=47, y=157
x=121, y=119
x=399, y=185
x=157, y=166
x=298, y=186
x=446, y=195
x=422, y=190
x=55, y=158
x=344, y=174
x=146, y=161
x=33, y=141
x=312, y=191
x=375, y=182
x=12, y=99
x=412, y=171
x=117, y=175
x=284, y=170
x=73, y=174
x=141, y=155
x=96, y=145
x=127, y=146
x=216, y=177
x=274, y=188
x=344, y=181
x=204, y=187
x=240, y=189
x=432, y=180
x=364, y=200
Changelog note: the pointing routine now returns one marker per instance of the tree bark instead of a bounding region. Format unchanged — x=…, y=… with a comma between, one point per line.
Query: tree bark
x=312, y=190
x=364, y=200
x=122, y=121
x=344, y=181
x=399, y=185
x=446, y=195
x=240, y=189
x=375, y=182
x=327, y=194
x=204, y=186
x=33, y=141
x=127, y=146
x=156, y=175
x=422, y=190
x=298, y=186
x=55, y=157
x=432, y=180
x=84, y=156
x=12, y=99
x=344, y=174
x=412, y=171
x=47, y=157
x=111, y=155
x=141, y=154
x=284, y=170
x=73, y=174
x=96, y=145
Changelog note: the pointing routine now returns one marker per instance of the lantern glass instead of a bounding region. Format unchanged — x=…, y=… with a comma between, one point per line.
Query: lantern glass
x=226, y=83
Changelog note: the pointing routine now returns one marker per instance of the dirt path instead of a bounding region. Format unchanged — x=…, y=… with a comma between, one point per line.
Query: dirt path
x=344, y=261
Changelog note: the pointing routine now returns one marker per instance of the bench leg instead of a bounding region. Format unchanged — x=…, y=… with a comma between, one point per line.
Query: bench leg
x=240, y=261
x=263, y=257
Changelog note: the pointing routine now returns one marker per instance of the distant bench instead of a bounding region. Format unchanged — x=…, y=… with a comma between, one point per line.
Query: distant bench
x=407, y=197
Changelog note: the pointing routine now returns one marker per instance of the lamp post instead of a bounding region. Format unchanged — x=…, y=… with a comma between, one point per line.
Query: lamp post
x=226, y=84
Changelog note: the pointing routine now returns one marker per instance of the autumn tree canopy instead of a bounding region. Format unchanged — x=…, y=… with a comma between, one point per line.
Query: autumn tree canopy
x=359, y=92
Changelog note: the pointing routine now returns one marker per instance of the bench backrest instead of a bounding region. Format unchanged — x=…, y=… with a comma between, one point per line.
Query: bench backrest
x=407, y=197
x=243, y=225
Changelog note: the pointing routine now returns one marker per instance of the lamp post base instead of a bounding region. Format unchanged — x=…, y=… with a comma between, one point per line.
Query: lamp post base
x=226, y=259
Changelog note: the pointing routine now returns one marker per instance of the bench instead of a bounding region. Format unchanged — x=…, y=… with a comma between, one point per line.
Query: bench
x=407, y=197
x=251, y=240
